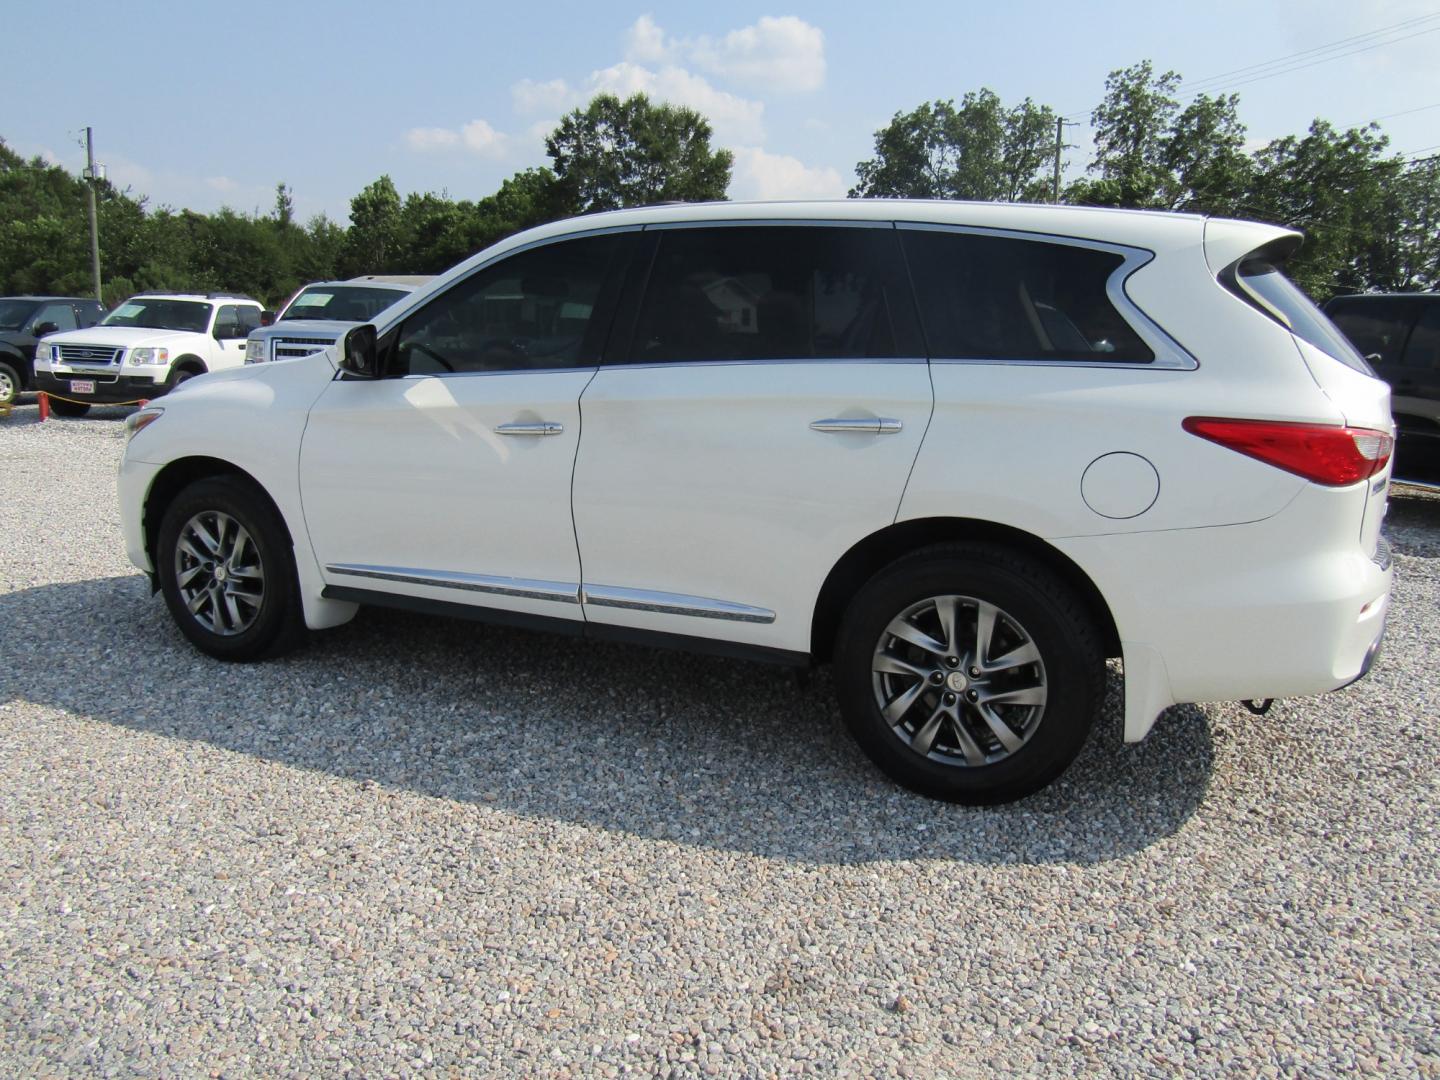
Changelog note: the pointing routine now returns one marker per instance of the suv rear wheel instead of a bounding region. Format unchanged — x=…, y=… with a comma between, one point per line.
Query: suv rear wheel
x=9, y=384
x=228, y=572
x=969, y=673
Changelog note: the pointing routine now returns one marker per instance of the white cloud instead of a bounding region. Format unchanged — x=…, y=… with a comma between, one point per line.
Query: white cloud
x=645, y=42
x=530, y=96
x=221, y=184
x=761, y=175
x=735, y=119
x=477, y=136
x=424, y=139
x=783, y=53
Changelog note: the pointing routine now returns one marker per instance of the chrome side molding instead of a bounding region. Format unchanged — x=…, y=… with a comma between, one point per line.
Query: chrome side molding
x=673, y=604
x=564, y=592
x=561, y=591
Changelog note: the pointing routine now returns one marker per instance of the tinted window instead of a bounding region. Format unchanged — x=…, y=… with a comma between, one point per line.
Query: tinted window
x=14, y=313
x=62, y=315
x=347, y=303
x=531, y=310
x=1424, y=348
x=1376, y=327
x=775, y=293
x=227, y=321
x=993, y=297
x=156, y=314
x=249, y=319
x=1283, y=300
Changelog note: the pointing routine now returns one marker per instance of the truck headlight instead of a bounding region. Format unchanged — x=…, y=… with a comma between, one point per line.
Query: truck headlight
x=149, y=356
x=254, y=351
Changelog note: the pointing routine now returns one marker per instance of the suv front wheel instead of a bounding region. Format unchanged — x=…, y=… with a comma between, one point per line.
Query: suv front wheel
x=228, y=572
x=969, y=673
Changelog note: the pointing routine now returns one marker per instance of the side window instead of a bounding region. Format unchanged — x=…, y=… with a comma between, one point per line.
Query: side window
x=1424, y=348
x=62, y=315
x=227, y=321
x=90, y=314
x=1377, y=328
x=780, y=292
x=529, y=311
x=249, y=318
x=999, y=298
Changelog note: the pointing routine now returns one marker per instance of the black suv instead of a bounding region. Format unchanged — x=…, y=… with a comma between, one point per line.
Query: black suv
x=1399, y=333
x=26, y=319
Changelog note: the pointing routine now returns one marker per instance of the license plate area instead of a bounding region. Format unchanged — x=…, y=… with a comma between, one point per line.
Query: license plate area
x=82, y=386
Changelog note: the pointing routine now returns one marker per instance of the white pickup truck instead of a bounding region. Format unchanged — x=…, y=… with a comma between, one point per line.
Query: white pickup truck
x=321, y=312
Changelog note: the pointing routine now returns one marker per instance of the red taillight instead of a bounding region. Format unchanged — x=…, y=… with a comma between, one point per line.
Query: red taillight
x=1334, y=456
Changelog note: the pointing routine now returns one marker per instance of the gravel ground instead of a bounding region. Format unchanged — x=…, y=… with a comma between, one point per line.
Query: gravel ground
x=426, y=847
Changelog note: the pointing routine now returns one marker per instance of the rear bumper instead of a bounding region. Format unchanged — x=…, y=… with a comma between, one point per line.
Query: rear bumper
x=1286, y=607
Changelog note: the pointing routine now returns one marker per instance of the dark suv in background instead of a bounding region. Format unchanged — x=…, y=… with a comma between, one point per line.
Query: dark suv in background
x=1399, y=333
x=24, y=320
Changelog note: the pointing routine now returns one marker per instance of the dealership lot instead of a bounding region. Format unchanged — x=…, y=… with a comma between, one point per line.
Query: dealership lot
x=422, y=845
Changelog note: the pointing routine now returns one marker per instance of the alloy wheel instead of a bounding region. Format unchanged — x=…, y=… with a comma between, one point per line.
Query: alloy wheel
x=959, y=681
x=219, y=573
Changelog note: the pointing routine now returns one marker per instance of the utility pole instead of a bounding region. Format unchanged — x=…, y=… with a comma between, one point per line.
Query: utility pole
x=91, y=179
x=1059, y=145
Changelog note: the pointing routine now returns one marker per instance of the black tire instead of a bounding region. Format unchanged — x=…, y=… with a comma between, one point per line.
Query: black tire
x=177, y=376
x=964, y=760
x=71, y=409
x=271, y=626
x=10, y=383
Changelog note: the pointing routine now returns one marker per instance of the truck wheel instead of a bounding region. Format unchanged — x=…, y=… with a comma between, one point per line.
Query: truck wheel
x=227, y=570
x=10, y=384
x=969, y=673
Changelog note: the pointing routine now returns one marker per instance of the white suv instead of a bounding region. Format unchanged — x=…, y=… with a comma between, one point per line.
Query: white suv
x=319, y=314
x=144, y=348
x=963, y=451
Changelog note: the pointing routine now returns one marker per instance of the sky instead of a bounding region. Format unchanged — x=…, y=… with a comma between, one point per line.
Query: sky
x=200, y=105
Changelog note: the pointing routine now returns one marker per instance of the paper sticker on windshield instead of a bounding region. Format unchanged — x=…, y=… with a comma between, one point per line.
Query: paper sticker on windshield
x=127, y=311
x=313, y=299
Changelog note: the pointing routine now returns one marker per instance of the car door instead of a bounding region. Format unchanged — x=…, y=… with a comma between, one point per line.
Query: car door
x=448, y=481
x=762, y=411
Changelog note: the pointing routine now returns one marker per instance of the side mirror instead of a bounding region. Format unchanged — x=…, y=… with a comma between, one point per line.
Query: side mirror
x=267, y=318
x=41, y=329
x=358, y=355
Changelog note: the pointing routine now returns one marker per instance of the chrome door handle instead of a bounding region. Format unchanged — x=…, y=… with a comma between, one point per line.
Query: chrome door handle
x=865, y=425
x=544, y=427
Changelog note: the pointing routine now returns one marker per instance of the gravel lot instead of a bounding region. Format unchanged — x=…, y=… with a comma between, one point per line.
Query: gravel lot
x=427, y=847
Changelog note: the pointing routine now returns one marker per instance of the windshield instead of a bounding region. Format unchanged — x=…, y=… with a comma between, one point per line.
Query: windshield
x=156, y=314
x=14, y=313
x=346, y=303
x=1284, y=300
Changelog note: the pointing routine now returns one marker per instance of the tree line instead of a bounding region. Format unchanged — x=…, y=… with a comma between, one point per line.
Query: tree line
x=1372, y=218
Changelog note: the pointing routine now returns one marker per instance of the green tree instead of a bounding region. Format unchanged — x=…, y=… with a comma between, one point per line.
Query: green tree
x=1151, y=153
x=370, y=247
x=1340, y=188
x=978, y=150
x=613, y=154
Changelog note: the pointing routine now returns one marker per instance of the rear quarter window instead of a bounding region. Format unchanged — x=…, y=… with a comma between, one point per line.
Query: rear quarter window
x=1262, y=284
x=994, y=297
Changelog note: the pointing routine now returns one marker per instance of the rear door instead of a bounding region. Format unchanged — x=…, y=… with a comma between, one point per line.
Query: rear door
x=759, y=413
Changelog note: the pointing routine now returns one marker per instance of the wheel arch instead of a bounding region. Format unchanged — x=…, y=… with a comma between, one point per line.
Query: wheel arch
x=180, y=474
x=189, y=362
x=879, y=549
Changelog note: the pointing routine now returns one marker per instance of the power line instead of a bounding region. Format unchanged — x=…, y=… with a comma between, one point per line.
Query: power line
x=1284, y=65
x=1338, y=44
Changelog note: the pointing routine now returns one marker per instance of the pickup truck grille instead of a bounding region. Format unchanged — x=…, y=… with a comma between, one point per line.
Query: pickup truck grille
x=90, y=354
x=288, y=347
